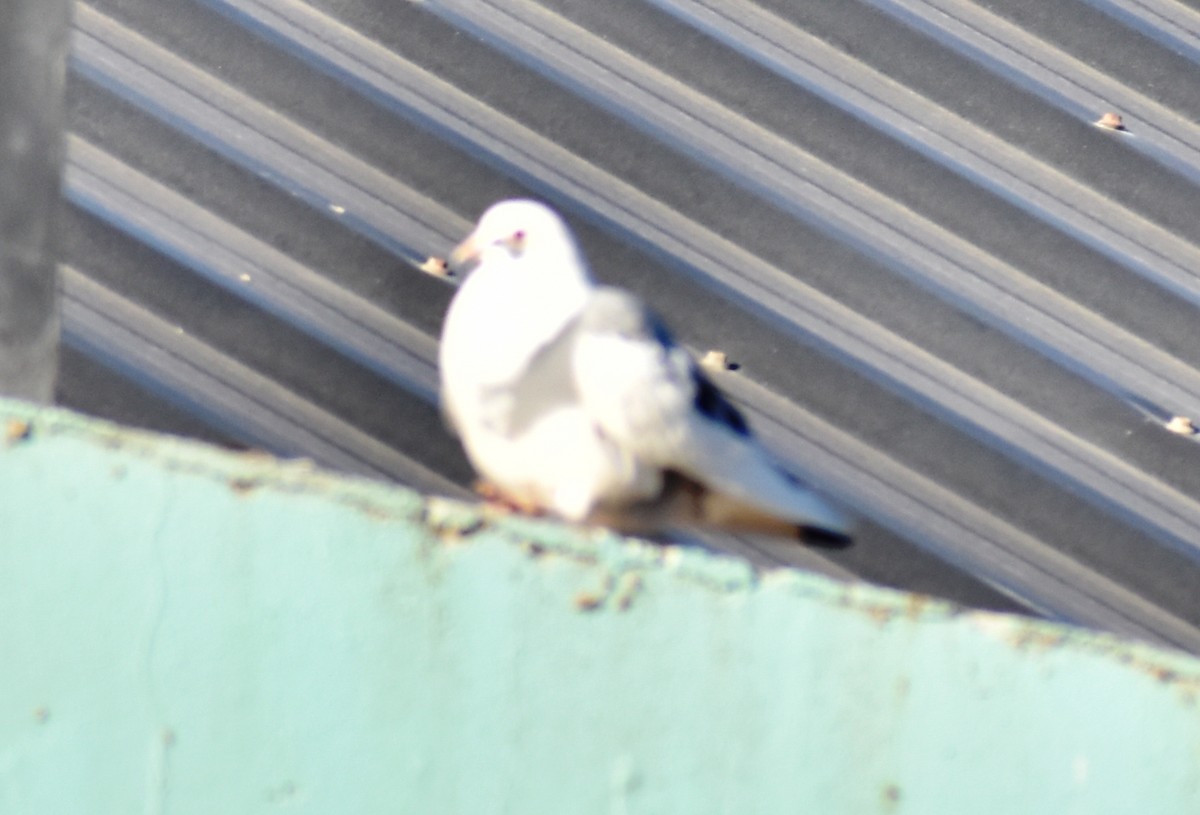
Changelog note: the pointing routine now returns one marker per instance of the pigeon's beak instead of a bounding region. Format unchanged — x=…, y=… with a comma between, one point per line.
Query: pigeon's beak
x=464, y=257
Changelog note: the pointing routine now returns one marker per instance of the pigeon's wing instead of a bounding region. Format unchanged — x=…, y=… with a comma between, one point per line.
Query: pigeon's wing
x=648, y=395
x=545, y=384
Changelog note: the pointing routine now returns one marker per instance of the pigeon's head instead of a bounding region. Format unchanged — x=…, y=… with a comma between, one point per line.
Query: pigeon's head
x=521, y=230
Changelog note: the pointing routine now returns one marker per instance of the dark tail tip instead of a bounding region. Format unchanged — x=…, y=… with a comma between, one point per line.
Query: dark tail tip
x=823, y=538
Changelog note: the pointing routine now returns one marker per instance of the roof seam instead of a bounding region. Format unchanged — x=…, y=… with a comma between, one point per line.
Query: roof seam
x=1052, y=74
x=954, y=528
x=398, y=218
x=258, y=409
x=251, y=269
x=950, y=140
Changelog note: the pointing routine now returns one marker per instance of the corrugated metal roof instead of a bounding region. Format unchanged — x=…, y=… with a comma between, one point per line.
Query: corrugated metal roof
x=956, y=304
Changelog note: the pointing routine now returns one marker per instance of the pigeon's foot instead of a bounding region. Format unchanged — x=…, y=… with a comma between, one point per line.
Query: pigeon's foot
x=498, y=499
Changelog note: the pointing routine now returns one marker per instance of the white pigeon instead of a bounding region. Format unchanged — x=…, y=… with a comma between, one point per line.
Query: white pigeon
x=571, y=398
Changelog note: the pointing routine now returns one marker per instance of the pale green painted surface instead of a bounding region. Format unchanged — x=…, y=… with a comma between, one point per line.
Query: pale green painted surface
x=185, y=631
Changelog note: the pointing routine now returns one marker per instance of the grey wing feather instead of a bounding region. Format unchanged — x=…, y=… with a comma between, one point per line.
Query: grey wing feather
x=649, y=395
x=546, y=383
x=643, y=390
x=543, y=384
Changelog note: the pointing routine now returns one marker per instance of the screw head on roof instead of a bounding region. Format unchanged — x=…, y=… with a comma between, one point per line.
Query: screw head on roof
x=1110, y=121
x=715, y=360
x=1181, y=425
x=436, y=267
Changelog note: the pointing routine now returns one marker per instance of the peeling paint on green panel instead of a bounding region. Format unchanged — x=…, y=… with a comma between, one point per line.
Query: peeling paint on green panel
x=188, y=630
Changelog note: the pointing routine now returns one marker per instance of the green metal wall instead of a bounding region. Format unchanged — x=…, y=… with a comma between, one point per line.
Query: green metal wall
x=184, y=630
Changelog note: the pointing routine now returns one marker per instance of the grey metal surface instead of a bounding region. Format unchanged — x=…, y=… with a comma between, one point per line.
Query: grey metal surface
x=33, y=56
x=956, y=304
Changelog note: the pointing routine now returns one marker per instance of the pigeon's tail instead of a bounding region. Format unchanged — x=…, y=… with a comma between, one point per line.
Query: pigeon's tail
x=743, y=483
x=820, y=526
x=686, y=503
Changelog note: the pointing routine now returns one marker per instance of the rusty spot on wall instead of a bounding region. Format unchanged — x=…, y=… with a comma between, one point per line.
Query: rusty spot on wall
x=452, y=521
x=629, y=585
x=891, y=796
x=17, y=430
x=244, y=485
x=588, y=600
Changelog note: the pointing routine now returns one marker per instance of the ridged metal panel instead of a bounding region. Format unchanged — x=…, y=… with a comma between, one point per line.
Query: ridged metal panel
x=956, y=304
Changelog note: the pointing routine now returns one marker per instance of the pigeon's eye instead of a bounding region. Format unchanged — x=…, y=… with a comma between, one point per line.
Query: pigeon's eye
x=515, y=242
